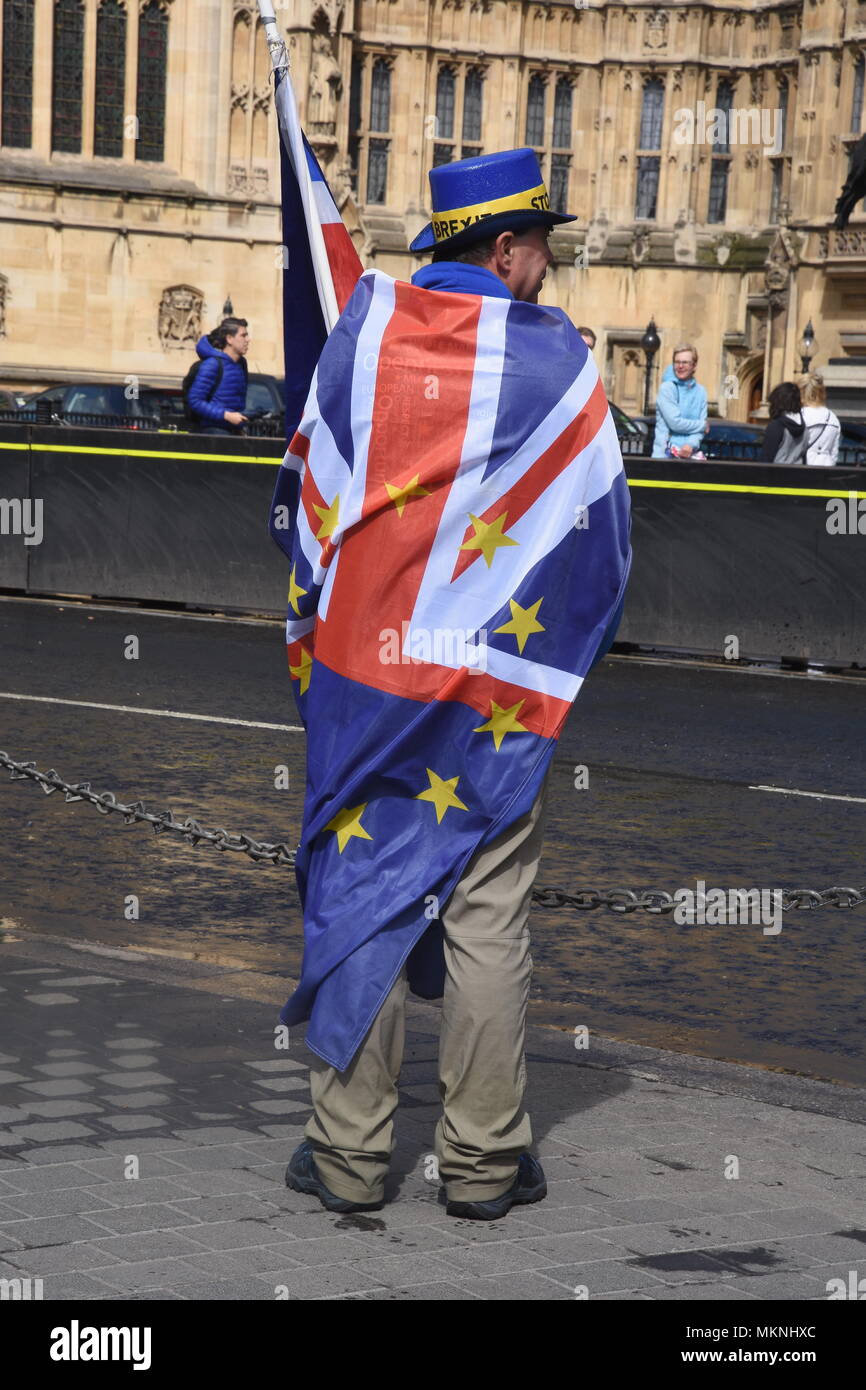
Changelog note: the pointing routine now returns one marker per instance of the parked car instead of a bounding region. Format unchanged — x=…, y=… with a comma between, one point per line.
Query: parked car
x=89, y=403
x=729, y=439
x=632, y=433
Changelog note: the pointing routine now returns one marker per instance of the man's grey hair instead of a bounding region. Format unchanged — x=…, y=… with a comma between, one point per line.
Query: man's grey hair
x=476, y=253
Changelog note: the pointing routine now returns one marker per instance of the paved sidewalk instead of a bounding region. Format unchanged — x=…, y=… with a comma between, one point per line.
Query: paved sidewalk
x=110, y=1060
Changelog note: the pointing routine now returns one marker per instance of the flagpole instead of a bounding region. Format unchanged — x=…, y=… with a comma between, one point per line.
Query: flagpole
x=292, y=136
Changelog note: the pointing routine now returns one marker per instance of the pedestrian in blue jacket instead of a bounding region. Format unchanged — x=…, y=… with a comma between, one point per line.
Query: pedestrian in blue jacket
x=681, y=409
x=218, y=393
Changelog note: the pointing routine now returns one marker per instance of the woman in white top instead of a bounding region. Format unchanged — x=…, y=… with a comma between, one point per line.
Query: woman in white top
x=822, y=426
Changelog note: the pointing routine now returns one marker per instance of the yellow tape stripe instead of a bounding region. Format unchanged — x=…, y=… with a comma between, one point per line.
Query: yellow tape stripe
x=275, y=463
x=742, y=487
x=146, y=453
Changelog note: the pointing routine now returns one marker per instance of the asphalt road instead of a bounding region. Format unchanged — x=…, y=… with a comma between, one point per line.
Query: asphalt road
x=673, y=752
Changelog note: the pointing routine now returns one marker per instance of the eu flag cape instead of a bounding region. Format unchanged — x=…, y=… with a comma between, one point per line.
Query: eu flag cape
x=456, y=519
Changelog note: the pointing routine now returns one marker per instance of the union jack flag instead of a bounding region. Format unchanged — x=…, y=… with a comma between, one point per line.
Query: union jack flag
x=320, y=264
x=456, y=518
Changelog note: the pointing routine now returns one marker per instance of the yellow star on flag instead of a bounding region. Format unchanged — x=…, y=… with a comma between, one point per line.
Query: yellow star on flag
x=488, y=537
x=347, y=823
x=400, y=495
x=502, y=722
x=295, y=591
x=329, y=517
x=443, y=794
x=524, y=621
x=301, y=672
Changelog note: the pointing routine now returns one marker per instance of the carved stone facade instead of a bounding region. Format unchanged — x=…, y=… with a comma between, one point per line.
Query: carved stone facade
x=725, y=237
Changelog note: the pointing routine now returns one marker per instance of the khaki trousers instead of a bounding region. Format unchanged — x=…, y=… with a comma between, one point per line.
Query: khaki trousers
x=482, y=1069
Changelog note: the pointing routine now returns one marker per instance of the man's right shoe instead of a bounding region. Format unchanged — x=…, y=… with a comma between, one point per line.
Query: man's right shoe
x=302, y=1175
x=530, y=1185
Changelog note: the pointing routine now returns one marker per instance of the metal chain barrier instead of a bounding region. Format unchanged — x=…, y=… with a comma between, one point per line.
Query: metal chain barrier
x=654, y=900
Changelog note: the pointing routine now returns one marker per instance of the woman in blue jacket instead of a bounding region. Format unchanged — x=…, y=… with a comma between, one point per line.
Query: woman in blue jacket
x=218, y=394
x=681, y=409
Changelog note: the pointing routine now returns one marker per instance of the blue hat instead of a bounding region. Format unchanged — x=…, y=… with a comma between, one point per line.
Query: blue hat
x=480, y=197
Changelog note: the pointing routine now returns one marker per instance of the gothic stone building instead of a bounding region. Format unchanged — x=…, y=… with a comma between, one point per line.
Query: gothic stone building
x=702, y=146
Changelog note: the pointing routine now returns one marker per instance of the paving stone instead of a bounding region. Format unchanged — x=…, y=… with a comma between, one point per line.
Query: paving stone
x=61, y=1069
x=155, y=1216
x=72, y=981
x=132, y=1044
x=61, y=1109
x=147, y=1245
x=396, y=1271
x=712, y=1292
x=74, y=1286
x=321, y=1282
x=601, y=1276
x=133, y=1124
x=231, y=1207
x=62, y=1229
x=47, y=1000
x=135, y=1100
x=135, y=1192
x=516, y=1288
x=45, y=1132
x=8, y=1078
x=236, y=1235
x=135, y=1078
x=69, y=1086
x=61, y=1259
x=295, y=1082
x=68, y=1200
x=420, y=1293
x=51, y=1178
x=219, y=1134
x=263, y=1259
x=135, y=1061
x=150, y=1274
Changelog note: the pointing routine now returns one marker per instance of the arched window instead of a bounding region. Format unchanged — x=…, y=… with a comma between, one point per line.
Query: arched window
x=720, y=131
x=720, y=127
x=380, y=96
x=67, y=76
x=783, y=115
x=150, y=93
x=650, y=138
x=472, y=96
x=652, y=114
x=16, y=113
x=857, y=97
x=562, y=115
x=535, y=103
x=445, y=104
x=110, y=79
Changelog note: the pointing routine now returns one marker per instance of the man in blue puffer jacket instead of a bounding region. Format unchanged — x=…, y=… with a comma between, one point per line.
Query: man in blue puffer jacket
x=681, y=408
x=218, y=394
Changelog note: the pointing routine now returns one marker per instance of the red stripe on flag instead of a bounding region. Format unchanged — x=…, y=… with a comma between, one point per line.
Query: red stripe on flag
x=547, y=467
x=346, y=268
x=418, y=427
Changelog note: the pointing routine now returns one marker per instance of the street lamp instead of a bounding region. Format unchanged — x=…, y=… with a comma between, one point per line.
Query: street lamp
x=228, y=307
x=650, y=342
x=807, y=346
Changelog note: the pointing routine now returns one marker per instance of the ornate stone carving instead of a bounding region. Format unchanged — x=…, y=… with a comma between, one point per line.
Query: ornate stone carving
x=655, y=34
x=325, y=87
x=180, y=316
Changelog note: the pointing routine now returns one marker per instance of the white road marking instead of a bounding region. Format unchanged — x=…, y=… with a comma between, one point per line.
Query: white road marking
x=820, y=796
x=159, y=713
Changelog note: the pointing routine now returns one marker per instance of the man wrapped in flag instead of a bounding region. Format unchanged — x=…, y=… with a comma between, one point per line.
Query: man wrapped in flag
x=456, y=519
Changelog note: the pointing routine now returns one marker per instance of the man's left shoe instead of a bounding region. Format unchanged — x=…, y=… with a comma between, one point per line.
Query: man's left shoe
x=302, y=1175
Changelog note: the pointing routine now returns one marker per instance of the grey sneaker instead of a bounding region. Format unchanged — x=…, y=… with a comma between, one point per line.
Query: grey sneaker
x=530, y=1185
x=302, y=1175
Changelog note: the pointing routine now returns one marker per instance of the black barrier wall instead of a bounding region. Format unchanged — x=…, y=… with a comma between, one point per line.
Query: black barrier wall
x=721, y=550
